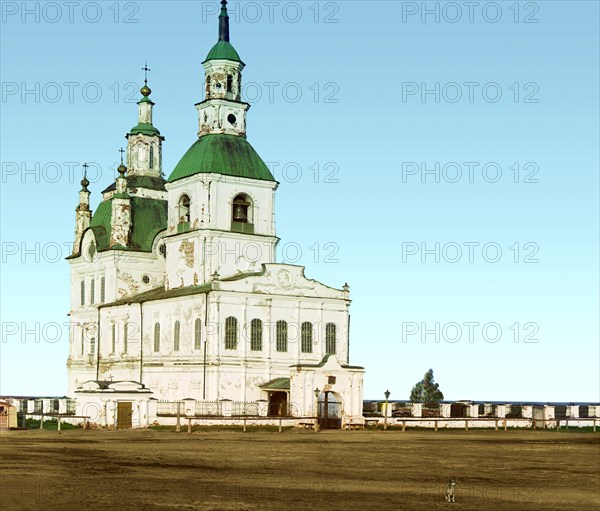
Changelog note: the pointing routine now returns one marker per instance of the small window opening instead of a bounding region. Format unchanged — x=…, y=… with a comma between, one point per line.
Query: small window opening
x=240, y=209
x=184, y=209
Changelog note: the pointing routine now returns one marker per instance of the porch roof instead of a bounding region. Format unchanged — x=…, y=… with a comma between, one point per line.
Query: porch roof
x=277, y=384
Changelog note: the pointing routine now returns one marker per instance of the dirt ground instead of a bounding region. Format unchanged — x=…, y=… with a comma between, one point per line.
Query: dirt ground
x=299, y=470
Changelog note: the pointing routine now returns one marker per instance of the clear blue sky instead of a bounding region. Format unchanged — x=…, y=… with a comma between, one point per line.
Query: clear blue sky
x=366, y=119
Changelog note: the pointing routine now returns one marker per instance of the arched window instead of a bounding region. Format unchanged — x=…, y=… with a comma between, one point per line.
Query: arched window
x=156, y=336
x=229, y=83
x=231, y=333
x=92, y=292
x=256, y=335
x=93, y=346
x=102, y=289
x=240, y=209
x=82, y=341
x=82, y=286
x=330, y=338
x=151, y=158
x=306, y=335
x=114, y=338
x=197, y=331
x=208, y=87
x=184, y=209
x=176, y=335
x=282, y=336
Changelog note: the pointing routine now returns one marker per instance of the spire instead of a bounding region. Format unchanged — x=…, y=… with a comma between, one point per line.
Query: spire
x=84, y=181
x=145, y=90
x=121, y=169
x=224, y=22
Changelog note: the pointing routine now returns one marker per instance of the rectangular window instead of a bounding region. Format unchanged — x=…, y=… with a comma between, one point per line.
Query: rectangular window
x=82, y=301
x=306, y=337
x=114, y=338
x=256, y=335
x=82, y=342
x=93, y=346
x=330, y=338
x=102, y=290
x=176, y=335
x=231, y=333
x=125, y=336
x=156, y=337
x=92, y=292
x=282, y=336
x=197, y=332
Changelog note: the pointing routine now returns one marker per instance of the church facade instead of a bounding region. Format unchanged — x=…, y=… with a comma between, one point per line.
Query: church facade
x=174, y=282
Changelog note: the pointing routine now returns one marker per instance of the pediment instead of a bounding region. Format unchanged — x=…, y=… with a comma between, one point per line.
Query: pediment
x=282, y=279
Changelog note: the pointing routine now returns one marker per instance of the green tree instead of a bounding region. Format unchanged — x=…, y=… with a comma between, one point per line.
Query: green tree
x=427, y=391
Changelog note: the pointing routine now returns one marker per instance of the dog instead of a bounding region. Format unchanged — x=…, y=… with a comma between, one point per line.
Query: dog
x=450, y=496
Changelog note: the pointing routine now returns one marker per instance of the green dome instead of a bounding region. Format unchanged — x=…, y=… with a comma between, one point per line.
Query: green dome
x=223, y=50
x=230, y=155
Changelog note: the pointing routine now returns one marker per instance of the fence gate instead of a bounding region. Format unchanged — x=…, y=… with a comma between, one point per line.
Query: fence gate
x=124, y=412
x=330, y=413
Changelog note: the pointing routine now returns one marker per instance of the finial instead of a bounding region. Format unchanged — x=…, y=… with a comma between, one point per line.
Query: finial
x=145, y=90
x=121, y=169
x=224, y=22
x=84, y=181
x=346, y=287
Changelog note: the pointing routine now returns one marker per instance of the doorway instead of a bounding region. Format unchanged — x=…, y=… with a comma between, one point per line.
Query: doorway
x=124, y=413
x=278, y=404
x=330, y=411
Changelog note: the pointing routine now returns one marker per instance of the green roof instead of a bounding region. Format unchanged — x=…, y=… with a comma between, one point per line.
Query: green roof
x=160, y=293
x=223, y=50
x=277, y=384
x=145, y=129
x=148, y=218
x=230, y=155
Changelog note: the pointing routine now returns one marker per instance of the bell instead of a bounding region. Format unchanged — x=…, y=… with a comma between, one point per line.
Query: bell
x=239, y=213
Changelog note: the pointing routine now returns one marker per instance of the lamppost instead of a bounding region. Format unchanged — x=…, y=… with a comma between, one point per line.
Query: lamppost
x=385, y=412
x=317, y=394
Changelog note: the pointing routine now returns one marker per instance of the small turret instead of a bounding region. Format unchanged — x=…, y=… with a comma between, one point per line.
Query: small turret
x=121, y=211
x=83, y=213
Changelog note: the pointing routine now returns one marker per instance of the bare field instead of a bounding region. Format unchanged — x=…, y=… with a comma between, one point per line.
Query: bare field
x=299, y=470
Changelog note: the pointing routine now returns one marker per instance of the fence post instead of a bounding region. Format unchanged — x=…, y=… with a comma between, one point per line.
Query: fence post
x=436, y=426
x=504, y=424
x=403, y=425
x=42, y=421
x=244, y=424
x=496, y=427
x=534, y=425
x=466, y=425
x=189, y=425
x=280, y=430
x=178, y=424
x=59, y=423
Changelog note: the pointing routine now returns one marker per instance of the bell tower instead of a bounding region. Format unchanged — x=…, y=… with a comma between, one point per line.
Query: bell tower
x=222, y=110
x=144, y=141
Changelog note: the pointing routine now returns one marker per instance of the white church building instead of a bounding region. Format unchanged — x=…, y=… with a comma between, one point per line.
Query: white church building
x=175, y=291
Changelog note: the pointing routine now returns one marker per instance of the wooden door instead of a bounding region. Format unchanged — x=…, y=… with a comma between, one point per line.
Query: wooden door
x=124, y=409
